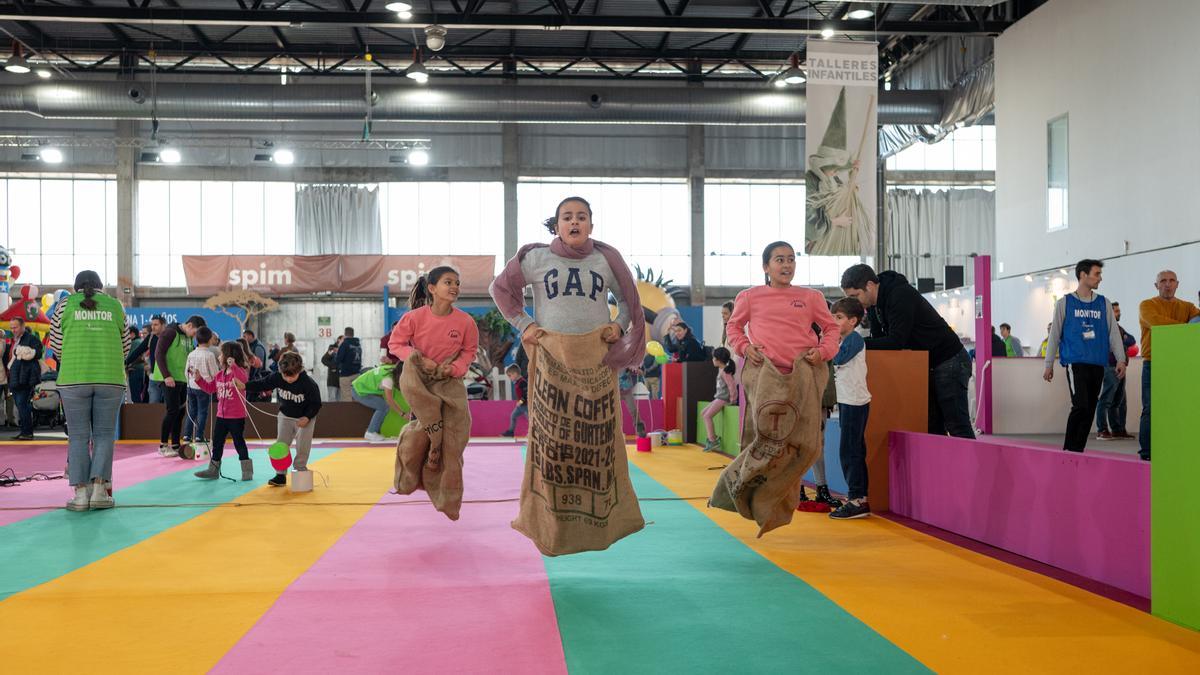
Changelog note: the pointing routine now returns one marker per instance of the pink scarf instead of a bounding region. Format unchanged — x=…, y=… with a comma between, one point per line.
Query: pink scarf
x=509, y=293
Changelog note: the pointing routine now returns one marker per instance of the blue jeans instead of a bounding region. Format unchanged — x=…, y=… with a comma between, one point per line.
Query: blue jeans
x=23, y=398
x=137, y=385
x=1113, y=408
x=91, y=411
x=948, y=409
x=196, y=425
x=1144, y=423
x=155, y=392
x=852, y=447
x=517, y=413
x=377, y=403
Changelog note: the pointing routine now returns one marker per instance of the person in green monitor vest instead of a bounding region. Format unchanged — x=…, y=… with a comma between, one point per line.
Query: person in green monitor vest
x=379, y=390
x=170, y=368
x=88, y=333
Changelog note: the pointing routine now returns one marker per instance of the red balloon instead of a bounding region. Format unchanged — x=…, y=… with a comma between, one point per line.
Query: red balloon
x=15, y=272
x=282, y=463
x=1132, y=351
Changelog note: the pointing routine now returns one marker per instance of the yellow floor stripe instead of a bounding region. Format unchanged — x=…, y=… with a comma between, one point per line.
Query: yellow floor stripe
x=952, y=609
x=179, y=601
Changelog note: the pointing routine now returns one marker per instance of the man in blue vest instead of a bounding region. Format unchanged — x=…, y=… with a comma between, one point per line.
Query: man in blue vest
x=1085, y=331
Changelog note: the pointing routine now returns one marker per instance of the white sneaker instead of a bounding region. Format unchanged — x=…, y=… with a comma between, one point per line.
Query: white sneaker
x=99, y=498
x=167, y=451
x=373, y=437
x=80, y=502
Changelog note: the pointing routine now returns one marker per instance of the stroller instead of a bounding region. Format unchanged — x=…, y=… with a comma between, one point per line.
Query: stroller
x=47, y=403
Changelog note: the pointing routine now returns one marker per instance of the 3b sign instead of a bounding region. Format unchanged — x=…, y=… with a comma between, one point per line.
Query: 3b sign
x=324, y=327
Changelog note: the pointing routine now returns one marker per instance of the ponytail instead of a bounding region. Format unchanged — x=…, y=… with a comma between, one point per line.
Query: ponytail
x=89, y=282
x=722, y=354
x=420, y=293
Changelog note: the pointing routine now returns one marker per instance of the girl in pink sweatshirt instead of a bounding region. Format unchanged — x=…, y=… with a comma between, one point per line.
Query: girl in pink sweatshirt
x=446, y=336
x=776, y=321
x=229, y=385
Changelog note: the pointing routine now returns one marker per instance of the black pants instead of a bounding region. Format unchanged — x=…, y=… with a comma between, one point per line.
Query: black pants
x=948, y=409
x=226, y=427
x=175, y=398
x=1085, y=381
x=853, y=447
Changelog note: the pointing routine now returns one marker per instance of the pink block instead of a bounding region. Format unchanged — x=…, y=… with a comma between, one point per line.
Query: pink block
x=414, y=592
x=490, y=418
x=1085, y=513
x=50, y=495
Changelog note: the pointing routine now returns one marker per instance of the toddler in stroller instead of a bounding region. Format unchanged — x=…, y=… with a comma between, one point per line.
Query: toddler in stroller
x=47, y=403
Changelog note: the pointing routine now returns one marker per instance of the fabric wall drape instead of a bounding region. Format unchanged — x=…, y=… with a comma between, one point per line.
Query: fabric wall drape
x=341, y=219
x=928, y=230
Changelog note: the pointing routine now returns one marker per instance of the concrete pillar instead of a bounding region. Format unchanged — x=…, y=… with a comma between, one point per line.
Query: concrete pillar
x=695, y=176
x=127, y=157
x=511, y=158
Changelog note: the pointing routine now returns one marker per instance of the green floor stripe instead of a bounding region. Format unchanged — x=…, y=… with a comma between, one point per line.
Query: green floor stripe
x=52, y=544
x=685, y=596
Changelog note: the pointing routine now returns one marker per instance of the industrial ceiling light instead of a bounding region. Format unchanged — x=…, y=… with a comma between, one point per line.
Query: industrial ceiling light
x=44, y=72
x=435, y=37
x=283, y=156
x=51, y=155
x=793, y=75
x=402, y=9
x=826, y=33
x=859, y=14
x=16, y=63
x=778, y=82
x=418, y=157
x=169, y=156
x=416, y=71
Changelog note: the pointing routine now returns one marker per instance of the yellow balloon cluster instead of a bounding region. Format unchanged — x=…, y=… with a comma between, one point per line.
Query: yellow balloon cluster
x=655, y=348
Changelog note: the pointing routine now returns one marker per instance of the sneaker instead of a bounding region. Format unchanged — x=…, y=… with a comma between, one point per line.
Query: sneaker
x=81, y=500
x=280, y=480
x=185, y=440
x=507, y=434
x=99, y=498
x=1104, y=436
x=1123, y=435
x=712, y=444
x=851, y=509
x=165, y=450
x=803, y=494
x=824, y=496
x=23, y=437
x=373, y=437
x=641, y=430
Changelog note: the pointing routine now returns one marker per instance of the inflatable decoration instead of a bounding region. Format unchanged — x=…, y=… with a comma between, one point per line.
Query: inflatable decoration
x=657, y=303
x=27, y=307
x=8, y=273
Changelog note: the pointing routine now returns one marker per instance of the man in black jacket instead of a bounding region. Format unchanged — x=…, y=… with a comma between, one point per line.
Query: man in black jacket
x=24, y=373
x=349, y=363
x=902, y=319
x=154, y=390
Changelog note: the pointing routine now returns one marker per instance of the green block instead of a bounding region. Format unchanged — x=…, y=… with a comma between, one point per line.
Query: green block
x=1174, y=475
x=725, y=424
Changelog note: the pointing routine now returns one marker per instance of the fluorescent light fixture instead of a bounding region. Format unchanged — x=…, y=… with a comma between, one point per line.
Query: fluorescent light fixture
x=827, y=33
x=779, y=82
x=44, y=72
x=169, y=156
x=859, y=14
x=51, y=155
x=417, y=72
x=283, y=156
x=398, y=7
x=418, y=158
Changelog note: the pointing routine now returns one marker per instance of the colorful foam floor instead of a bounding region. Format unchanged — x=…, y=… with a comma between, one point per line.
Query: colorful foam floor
x=230, y=577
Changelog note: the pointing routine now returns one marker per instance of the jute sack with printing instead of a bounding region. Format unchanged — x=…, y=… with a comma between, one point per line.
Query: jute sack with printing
x=781, y=440
x=429, y=453
x=576, y=495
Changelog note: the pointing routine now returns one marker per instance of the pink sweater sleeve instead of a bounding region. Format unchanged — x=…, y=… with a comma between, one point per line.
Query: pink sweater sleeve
x=238, y=373
x=830, y=336
x=469, y=348
x=735, y=330
x=400, y=341
x=207, y=386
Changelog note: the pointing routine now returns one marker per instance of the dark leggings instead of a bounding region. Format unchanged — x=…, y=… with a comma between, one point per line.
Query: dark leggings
x=229, y=427
x=175, y=399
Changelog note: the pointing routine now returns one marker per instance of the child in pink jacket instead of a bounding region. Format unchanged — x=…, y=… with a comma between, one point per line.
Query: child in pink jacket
x=229, y=386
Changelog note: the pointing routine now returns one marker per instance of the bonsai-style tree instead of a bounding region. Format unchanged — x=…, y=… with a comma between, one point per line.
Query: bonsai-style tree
x=496, y=337
x=250, y=302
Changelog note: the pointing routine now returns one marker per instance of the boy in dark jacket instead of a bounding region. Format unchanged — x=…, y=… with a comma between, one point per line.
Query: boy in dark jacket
x=521, y=395
x=299, y=403
x=349, y=363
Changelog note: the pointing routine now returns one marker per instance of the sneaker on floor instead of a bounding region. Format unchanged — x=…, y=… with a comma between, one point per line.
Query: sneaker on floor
x=1104, y=436
x=81, y=501
x=23, y=437
x=507, y=434
x=850, y=510
x=165, y=450
x=373, y=437
x=279, y=480
x=712, y=444
x=824, y=496
x=99, y=499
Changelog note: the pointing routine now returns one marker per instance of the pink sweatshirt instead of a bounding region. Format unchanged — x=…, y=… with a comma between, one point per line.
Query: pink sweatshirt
x=231, y=403
x=781, y=320
x=437, y=337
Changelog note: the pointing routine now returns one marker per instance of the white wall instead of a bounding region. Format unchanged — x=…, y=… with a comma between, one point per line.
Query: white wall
x=1132, y=95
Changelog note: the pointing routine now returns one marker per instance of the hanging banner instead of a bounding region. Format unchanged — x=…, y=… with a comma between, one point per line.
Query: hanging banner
x=227, y=326
x=303, y=274
x=841, y=139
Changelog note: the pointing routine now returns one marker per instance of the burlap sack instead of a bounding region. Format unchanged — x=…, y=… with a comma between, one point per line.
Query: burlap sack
x=576, y=495
x=429, y=453
x=781, y=440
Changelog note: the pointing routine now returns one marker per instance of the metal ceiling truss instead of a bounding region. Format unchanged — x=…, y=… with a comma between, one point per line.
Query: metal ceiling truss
x=139, y=36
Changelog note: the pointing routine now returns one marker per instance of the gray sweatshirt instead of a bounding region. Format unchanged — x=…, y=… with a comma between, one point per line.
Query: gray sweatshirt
x=570, y=296
x=1056, y=330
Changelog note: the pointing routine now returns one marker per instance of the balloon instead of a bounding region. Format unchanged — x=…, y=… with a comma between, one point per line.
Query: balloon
x=279, y=450
x=60, y=294
x=661, y=359
x=655, y=348
x=47, y=299
x=1132, y=351
x=281, y=464
x=15, y=272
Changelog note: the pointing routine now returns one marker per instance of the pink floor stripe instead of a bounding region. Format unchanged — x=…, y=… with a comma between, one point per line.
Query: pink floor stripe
x=55, y=493
x=416, y=593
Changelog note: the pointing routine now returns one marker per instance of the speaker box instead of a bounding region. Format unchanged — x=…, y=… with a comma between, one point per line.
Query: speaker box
x=925, y=284
x=954, y=276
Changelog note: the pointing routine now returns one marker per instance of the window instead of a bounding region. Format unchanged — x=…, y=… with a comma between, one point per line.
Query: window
x=741, y=218
x=55, y=228
x=648, y=220
x=428, y=218
x=1056, y=174
x=178, y=218
x=970, y=148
